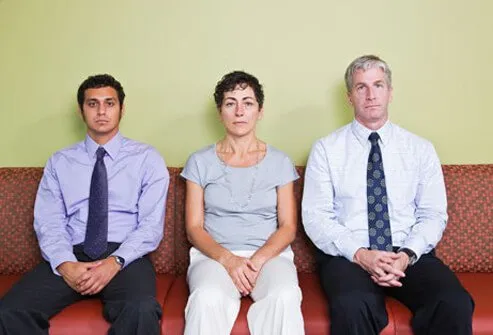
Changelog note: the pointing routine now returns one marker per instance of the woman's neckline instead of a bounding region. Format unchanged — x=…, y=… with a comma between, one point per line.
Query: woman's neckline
x=216, y=154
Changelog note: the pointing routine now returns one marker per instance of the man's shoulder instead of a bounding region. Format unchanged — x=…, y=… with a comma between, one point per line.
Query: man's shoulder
x=408, y=139
x=335, y=137
x=133, y=147
x=68, y=152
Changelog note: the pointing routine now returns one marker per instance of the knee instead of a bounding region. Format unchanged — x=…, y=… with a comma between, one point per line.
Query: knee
x=206, y=297
x=142, y=307
x=354, y=305
x=457, y=305
x=289, y=294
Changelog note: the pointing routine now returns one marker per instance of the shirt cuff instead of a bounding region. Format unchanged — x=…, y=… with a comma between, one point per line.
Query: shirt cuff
x=61, y=258
x=416, y=246
x=348, y=249
x=129, y=255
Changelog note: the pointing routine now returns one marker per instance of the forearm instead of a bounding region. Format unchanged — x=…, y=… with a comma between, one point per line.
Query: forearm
x=146, y=236
x=324, y=231
x=276, y=243
x=431, y=207
x=320, y=217
x=55, y=244
x=140, y=242
x=201, y=240
x=424, y=236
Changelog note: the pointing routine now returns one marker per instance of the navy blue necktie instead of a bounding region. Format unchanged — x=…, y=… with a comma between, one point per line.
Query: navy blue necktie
x=378, y=211
x=96, y=240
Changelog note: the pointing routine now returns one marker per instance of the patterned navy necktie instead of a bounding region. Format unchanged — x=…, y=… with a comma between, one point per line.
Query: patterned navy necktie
x=376, y=191
x=96, y=241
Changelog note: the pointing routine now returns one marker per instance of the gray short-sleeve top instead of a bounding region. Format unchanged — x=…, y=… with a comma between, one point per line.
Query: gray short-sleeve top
x=240, y=203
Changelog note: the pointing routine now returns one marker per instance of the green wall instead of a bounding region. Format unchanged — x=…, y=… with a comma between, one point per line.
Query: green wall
x=170, y=54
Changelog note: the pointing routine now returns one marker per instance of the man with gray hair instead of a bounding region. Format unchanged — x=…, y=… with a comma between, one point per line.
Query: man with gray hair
x=375, y=206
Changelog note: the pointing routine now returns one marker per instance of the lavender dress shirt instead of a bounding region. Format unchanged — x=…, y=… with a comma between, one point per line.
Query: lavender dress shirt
x=138, y=183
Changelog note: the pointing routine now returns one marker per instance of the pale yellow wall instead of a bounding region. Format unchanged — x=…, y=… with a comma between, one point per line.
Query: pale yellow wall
x=169, y=55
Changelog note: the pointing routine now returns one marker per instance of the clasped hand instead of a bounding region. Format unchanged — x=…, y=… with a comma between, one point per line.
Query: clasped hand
x=243, y=271
x=88, y=278
x=385, y=268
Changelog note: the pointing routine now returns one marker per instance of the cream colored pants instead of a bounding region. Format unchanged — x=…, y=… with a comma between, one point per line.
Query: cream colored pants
x=214, y=300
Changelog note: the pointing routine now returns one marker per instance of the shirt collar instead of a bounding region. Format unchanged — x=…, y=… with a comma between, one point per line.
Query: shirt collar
x=112, y=147
x=362, y=133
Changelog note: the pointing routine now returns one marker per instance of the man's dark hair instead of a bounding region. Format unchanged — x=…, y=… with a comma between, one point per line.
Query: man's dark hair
x=98, y=81
x=234, y=79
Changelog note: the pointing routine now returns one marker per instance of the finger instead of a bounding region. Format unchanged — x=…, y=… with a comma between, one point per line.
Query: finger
x=91, y=265
x=378, y=272
x=245, y=282
x=388, y=258
x=98, y=289
x=95, y=289
x=85, y=285
x=386, y=278
x=395, y=283
x=90, y=286
x=251, y=265
x=83, y=278
x=250, y=275
x=240, y=287
x=380, y=283
x=394, y=271
x=384, y=284
x=238, y=283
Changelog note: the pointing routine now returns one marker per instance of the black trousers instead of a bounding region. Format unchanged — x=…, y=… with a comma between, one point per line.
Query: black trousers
x=128, y=299
x=436, y=298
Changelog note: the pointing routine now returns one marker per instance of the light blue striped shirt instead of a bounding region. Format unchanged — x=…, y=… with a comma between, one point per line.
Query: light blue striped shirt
x=334, y=206
x=138, y=183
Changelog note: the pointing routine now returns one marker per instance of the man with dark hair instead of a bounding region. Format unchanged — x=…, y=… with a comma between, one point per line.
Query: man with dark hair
x=99, y=211
x=374, y=204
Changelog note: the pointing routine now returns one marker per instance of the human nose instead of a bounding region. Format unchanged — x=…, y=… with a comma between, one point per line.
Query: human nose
x=240, y=110
x=370, y=95
x=101, y=109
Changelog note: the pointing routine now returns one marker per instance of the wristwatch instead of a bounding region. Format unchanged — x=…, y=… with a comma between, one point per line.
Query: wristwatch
x=411, y=254
x=119, y=260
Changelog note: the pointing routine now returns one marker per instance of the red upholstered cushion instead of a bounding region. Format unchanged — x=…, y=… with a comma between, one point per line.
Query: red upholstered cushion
x=302, y=246
x=182, y=246
x=163, y=257
x=18, y=244
x=480, y=286
x=467, y=244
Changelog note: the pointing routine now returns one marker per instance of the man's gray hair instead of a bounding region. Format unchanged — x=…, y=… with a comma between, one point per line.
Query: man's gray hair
x=364, y=63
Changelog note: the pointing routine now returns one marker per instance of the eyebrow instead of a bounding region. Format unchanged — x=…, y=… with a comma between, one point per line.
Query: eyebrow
x=104, y=99
x=373, y=83
x=243, y=99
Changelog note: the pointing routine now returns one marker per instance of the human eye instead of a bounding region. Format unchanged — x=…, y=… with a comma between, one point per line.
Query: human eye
x=229, y=104
x=91, y=104
x=110, y=103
